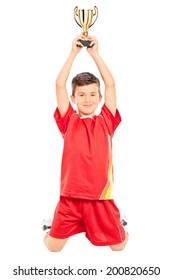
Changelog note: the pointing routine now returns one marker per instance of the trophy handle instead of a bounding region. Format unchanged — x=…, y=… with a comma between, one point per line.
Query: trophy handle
x=96, y=12
x=76, y=14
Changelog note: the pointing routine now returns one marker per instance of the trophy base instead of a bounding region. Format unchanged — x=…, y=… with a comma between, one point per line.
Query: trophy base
x=86, y=43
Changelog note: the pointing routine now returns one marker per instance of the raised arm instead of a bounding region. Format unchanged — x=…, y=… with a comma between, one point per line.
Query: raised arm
x=110, y=89
x=61, y=90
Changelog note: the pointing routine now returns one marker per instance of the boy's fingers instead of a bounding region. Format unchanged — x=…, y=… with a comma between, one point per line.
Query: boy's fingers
x=79, y=44
x=92, y=38
x=80, y=37
x=92, y=43
x=77, y=41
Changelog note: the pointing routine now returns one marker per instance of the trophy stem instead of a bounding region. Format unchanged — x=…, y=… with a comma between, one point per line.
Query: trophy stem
x=85, y=42
x=85, y=33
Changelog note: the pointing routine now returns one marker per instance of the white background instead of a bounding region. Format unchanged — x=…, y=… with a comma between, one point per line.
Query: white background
x=135, y=40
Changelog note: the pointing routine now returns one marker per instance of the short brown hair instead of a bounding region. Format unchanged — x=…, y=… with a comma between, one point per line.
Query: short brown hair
x=82, y=79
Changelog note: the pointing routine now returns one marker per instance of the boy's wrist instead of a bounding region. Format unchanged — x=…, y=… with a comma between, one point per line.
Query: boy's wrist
x=73, y=53
x=94, y=54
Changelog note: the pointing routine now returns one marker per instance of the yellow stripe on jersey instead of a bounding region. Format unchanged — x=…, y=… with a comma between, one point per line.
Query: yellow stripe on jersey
x=107, y=191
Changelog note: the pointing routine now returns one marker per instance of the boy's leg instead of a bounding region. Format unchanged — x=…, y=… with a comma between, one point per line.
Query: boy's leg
x=120, y=246
x=108, y=231
x=67, y=221
x=54, y=244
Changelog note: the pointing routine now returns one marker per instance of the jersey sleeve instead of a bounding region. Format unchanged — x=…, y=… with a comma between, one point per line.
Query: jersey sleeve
x=111, y=121
x=62, y=122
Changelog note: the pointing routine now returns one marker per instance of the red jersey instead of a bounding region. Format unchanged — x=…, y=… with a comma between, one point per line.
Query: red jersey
x=87, y=169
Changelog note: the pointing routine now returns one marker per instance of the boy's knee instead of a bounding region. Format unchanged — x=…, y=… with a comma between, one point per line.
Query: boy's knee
x=120, y=246
x=53, y=244
x=53, y=248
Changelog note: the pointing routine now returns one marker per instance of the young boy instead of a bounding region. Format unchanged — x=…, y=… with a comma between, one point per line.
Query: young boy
x=86, y=203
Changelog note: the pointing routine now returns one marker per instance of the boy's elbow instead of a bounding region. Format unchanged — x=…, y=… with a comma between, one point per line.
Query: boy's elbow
x=59, y=83
x=110, y=83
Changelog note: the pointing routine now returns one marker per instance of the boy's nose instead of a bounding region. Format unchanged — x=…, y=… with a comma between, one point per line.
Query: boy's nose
x=87, y=98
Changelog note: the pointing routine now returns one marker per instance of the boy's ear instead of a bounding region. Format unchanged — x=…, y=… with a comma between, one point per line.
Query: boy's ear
x=100, y=98
x=72, y=99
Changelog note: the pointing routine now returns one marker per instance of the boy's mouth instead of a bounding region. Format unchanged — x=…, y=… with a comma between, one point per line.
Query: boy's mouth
x=87, y=105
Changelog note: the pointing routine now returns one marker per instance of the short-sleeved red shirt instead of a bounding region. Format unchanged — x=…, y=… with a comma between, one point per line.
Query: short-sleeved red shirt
x=87, y=169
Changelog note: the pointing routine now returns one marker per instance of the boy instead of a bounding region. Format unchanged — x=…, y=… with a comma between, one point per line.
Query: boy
x=86, y=203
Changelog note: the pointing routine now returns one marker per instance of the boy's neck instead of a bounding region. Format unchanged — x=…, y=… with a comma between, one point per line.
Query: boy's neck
x=86, y=116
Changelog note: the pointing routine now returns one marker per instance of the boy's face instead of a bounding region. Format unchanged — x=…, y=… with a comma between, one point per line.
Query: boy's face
x=86, y=98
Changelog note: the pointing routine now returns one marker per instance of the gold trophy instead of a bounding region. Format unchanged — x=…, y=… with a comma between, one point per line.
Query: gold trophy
x=85, y=19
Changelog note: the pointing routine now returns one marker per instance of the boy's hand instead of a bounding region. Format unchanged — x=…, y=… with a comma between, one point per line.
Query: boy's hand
x=93, y=48
x=77, y=45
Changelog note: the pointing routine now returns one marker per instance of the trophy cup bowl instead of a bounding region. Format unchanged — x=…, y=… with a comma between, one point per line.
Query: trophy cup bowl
x=85, y=19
